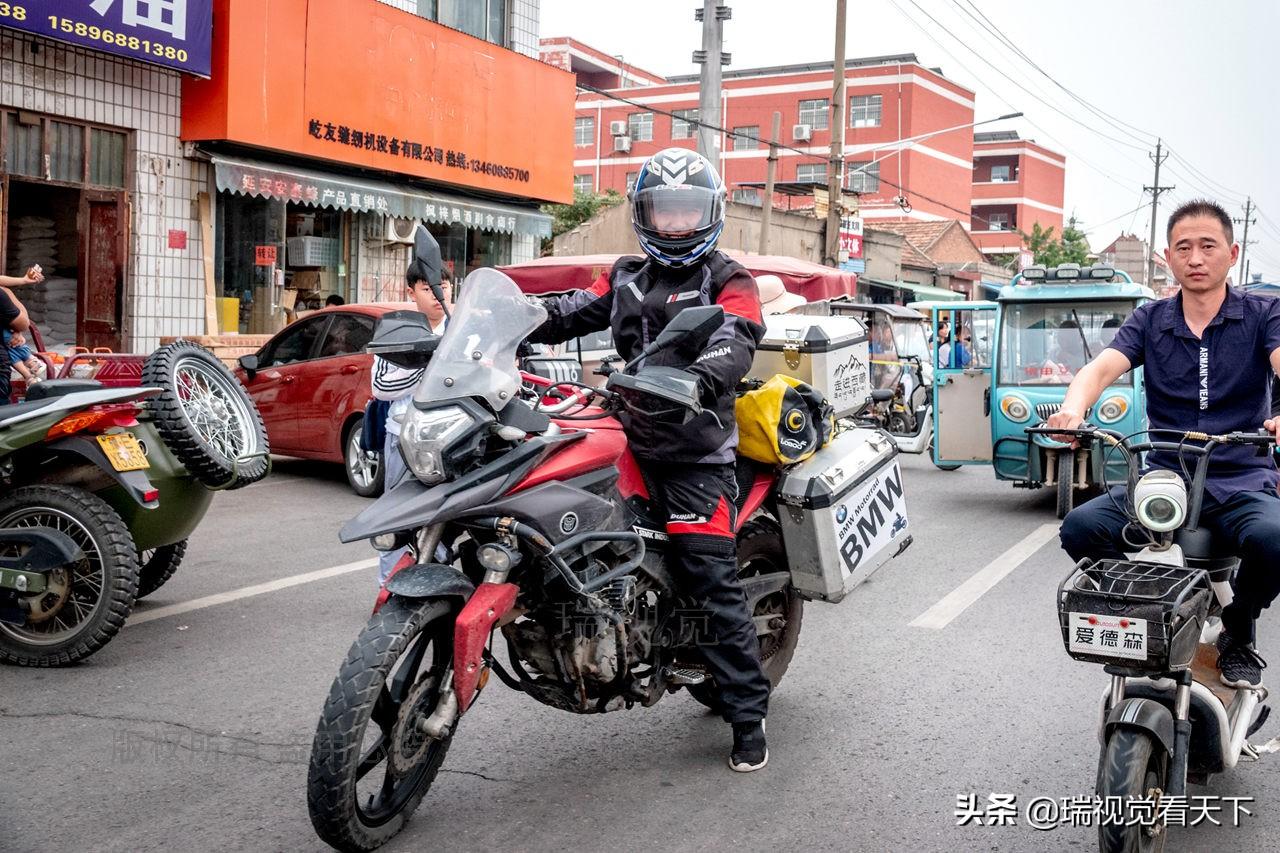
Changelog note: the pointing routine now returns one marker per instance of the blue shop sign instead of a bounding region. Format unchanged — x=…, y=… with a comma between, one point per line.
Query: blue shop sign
x=176, y=34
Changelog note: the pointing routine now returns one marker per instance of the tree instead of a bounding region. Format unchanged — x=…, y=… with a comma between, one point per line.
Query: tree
x=585, y=205
x=1049, y=251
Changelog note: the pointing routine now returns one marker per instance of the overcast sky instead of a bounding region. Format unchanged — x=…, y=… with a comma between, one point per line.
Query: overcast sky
x=1201, y=75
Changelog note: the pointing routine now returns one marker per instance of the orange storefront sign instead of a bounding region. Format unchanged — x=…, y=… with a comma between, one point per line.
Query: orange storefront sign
x=359, y=82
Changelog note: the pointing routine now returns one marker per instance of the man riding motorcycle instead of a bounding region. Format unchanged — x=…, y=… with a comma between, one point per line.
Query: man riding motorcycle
x=677, y=208
x=1210, y=354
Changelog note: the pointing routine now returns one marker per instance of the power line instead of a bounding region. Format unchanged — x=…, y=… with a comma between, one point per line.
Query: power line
x=1050, y=137
x=968, y=214
x=1060, y=112
x=1145, y=137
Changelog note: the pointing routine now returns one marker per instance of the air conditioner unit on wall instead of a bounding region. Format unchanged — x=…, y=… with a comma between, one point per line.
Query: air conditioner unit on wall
x=399, y=230
x=622, y=143
x=617, y=128
x=802, y=132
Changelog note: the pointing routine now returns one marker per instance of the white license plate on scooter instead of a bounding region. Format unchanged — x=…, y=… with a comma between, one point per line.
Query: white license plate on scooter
x=1107, y=636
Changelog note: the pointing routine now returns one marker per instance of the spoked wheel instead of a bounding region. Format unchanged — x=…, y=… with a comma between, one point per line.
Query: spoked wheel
x=370, y=764
x=86, y=604
x=778, y=616
x=205, y=416
x=157, y=565
x=1133, y=766
x=1066, y=482
x=364, y=468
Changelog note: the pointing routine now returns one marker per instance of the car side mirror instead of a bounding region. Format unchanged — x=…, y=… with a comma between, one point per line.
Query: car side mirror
x=250, y=364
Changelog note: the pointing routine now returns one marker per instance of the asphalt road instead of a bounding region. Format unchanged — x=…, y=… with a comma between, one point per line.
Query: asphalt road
x=191, y=730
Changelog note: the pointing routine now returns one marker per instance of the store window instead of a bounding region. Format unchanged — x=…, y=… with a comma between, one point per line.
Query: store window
x=41, y=147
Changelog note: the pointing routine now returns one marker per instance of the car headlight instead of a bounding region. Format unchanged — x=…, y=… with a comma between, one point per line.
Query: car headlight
x=1015, y=408
x=1112, y=409
x=425, y=436
x=1160, y=499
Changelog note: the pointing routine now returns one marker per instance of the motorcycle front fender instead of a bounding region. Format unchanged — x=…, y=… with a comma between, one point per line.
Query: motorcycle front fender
x=431, y=580
x=1145, y=714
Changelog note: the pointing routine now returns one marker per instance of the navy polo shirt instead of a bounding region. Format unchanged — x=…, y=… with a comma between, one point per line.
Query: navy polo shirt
x=1218, y=383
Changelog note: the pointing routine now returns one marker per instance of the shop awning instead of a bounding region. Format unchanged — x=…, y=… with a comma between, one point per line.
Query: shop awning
x=327, y=189
x=924, y=291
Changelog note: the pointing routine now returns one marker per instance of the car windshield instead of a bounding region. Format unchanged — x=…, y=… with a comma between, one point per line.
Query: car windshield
x=1046, y=343
x=477, y=354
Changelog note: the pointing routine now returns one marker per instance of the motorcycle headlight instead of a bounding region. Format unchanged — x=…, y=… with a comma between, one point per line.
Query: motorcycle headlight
x=1112, y=409
x=425, y=436
x=1160, y=499
x=1015, y=408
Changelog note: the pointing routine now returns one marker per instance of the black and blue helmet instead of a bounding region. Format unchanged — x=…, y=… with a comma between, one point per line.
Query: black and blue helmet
x=677, y=207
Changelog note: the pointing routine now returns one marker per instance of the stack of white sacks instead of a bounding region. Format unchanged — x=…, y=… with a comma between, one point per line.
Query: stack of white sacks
x=52, y=303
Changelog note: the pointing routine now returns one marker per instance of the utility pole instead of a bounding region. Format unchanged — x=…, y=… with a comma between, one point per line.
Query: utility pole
x=770, y=172
x=1155, y=191
x=1244, y=240
x=835, y=163
x=711, y=57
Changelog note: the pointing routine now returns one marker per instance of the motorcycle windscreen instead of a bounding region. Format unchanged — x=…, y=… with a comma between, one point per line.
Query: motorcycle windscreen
x=477, y=354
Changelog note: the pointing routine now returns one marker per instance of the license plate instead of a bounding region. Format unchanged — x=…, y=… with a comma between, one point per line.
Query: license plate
x=1107, y=636
x=123, y=451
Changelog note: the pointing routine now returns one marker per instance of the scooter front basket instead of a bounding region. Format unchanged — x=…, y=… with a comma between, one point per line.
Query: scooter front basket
x=1137, y=615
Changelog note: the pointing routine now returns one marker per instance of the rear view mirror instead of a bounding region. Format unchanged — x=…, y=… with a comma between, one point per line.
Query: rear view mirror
x=426, y=263
x=404, y=338
x=692, y=326
x=250, y=364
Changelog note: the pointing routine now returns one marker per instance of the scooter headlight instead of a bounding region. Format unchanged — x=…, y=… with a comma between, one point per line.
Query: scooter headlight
x=1160, y=499
x=425, y=436
x=1112, y=409
x=1016, y=408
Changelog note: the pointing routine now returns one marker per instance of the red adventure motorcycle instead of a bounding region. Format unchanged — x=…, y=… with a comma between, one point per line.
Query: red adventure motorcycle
x=526, y=512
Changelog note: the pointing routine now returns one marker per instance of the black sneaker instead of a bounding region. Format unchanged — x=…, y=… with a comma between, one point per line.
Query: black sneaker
x=749, y=749
x=1240, y=664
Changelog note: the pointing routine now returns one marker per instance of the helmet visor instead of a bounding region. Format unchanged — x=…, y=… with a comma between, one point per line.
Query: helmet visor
x=678, y=209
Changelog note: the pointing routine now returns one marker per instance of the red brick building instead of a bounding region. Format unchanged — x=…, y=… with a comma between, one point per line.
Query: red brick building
x=1016, y=183
x=893, y=101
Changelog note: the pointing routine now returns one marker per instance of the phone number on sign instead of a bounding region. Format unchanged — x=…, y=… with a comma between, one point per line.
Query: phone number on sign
x=18, y=13
x=89, y=31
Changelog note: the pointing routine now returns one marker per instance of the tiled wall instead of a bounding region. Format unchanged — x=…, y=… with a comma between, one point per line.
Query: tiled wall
x=380, y=266
x=523, y=16
x=525, y=27
x=165, y=286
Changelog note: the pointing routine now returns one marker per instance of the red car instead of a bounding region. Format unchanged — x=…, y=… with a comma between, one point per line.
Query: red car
x=311, y=383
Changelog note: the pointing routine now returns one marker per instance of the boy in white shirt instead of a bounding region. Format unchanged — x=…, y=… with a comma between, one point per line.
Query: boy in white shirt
x=396, y=385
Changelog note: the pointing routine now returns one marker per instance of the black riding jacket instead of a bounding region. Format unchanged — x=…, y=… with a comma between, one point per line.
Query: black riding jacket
x=636, y=299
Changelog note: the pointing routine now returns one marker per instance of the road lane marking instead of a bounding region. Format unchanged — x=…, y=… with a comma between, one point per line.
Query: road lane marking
x=959, y=599
x=248, y=591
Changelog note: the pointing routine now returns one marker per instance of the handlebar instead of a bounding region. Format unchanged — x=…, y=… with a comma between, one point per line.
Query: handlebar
x=1263, y=440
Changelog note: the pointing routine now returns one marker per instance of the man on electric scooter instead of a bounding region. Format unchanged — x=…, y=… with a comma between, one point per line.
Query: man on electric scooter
x=1210, y=354
x=677, y=210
